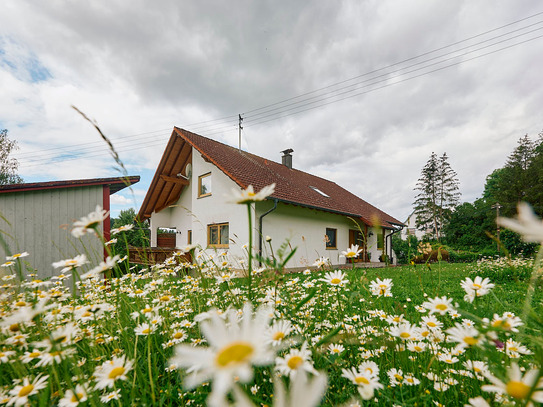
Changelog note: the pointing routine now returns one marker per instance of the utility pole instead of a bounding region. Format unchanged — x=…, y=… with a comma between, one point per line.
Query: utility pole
x=497, y=206
x=240, y=128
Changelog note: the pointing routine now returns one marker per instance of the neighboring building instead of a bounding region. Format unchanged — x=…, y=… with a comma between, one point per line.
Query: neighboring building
x=411, y=228
x=37, y=218
x=196, y=175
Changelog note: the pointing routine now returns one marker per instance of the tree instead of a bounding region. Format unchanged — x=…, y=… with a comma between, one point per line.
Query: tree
x=438, y=194
x=8, y=166
x=137, y=237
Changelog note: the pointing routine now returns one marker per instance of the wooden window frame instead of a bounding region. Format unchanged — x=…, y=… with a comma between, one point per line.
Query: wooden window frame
x=218, y=226
x=327, y=241
x=189, y=236
x=200, y=178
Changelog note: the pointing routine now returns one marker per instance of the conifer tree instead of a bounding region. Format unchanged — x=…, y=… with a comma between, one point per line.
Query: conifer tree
x=438, y=194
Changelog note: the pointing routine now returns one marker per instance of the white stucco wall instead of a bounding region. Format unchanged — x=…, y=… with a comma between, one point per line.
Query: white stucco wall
x=305, y=228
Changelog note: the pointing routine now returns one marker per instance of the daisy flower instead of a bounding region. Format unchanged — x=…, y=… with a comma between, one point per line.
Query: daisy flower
x=112, y=370
x=110, y=263
x=68, y=264
x=351, y=252
x=465, y=336
x=395, y=376
x=441, y=305
x=477, y=402
x=365, y=382
x=123, y=228
x=335, y=278
x=295, y=361
x=235, y=346
x=517, y=386
x=278, y=331
x=476, y=288
x=144, y=329
x=335, y=349
x=404, y=331
x=248, y=195
x=526, y=224
x=380, y=287
x=114, y=395
x=89, y=222
x=73, y=398
x=21, y=392
x=17, y=256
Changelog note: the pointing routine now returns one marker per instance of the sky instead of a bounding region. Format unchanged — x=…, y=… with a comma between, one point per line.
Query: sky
x=362, y=91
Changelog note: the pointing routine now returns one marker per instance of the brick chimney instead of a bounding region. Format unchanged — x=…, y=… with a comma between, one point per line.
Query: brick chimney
x=286, y=159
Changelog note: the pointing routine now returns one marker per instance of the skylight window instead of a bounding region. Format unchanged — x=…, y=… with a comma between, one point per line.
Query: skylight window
x=319, y=191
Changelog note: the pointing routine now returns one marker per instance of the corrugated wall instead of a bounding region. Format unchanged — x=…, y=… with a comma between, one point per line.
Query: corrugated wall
x=39, y=222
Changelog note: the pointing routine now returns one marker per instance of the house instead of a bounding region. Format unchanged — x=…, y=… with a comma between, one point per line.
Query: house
x=37, y=218
x=195, y=177
x=411, y=228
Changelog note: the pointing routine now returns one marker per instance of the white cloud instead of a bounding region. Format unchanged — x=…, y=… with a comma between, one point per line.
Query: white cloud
x=138, y=70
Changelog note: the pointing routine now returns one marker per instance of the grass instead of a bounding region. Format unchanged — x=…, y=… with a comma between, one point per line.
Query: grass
x=73, y=340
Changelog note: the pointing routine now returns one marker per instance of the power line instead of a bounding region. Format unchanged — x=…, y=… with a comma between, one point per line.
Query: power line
x=207, y=129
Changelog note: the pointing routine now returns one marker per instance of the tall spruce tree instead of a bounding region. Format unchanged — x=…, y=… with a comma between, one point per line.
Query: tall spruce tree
x=438, y=194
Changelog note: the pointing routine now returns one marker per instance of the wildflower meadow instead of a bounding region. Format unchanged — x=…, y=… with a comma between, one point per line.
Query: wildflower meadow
x=211, y=333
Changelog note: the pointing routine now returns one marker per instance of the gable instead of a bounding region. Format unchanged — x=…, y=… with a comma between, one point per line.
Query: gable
x=291, y=185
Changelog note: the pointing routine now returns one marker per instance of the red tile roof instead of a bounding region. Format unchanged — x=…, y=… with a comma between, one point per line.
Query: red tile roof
x=291, y=185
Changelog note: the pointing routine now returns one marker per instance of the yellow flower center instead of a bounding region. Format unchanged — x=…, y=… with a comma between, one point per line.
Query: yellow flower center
x=278, y=336
x=350, y=254
x=26, y=390
x=294, y=362
x=335, y=281
x=86, y=314
x=477, y=286
x=55, y=353
x=476, y=370
x=417, y=348
x=178, y=335
x=20, y=303
x=441, y=307
x=251, y=194
x=165, y=298
x=34, y=354
x=139, y=291
x=146, y=310
x=425, y=334
x=398, y=377
x=235, y=353
x=405, y=335
x=116, y=372
x=470, y=340
x=431, y=324
x=76, y=397
x=14, y=327
x=146, y=331
x=396, y=319
x=361, y=379
x=517, y=389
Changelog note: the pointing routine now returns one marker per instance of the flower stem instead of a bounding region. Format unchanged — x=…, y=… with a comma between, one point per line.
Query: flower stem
x=250, y=252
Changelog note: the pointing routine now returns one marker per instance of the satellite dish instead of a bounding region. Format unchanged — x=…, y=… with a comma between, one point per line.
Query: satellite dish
x=188, y=170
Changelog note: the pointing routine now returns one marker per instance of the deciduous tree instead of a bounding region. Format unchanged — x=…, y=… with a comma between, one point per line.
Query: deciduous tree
x=8, y=166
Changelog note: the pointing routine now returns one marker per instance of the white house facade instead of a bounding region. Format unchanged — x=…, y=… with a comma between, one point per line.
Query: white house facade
x=191, y=192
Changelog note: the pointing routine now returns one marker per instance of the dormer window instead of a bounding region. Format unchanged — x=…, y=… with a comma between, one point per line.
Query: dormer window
x=319, y=191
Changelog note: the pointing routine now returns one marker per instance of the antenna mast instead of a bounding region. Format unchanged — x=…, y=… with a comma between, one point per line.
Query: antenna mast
x=240, y=128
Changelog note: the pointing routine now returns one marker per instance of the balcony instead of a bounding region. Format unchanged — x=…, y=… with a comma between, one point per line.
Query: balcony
x=149, y=256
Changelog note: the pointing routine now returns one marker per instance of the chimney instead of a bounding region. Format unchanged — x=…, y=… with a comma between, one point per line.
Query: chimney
x=286, y=159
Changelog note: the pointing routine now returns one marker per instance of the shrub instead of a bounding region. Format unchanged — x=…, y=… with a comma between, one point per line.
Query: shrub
x=504, y=269
x=432, y=257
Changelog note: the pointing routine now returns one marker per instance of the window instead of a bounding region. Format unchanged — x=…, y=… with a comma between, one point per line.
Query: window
x=217, y=235
x=331, y=235
x=204, y=185
x=189, y=236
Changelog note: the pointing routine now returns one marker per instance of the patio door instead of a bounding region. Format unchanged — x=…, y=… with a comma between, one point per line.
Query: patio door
x=359, y=238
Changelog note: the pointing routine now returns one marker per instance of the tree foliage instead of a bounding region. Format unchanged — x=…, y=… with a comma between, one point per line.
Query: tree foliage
x=137, y=237
x=8, y=166
x=438, y=194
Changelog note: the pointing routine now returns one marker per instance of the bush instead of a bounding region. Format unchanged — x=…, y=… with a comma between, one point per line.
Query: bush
x=432, y=257
x=463, y=257
x=504, y=269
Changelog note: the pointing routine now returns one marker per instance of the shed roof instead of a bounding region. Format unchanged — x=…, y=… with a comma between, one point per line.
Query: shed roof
x=291, y=185
x=115, y=184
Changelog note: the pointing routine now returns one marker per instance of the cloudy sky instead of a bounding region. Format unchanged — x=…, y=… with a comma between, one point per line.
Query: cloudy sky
x=363, y=91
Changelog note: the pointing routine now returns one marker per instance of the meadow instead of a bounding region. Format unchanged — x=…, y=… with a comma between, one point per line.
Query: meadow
x=201, y=334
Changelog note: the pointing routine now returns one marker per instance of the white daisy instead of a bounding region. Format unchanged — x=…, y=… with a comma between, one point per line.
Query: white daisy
x=112, y=370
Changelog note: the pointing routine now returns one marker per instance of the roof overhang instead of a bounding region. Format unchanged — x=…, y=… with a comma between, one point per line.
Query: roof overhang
x=115, y=184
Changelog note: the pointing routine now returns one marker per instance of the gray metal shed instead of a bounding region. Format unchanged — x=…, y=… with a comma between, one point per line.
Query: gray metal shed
x=37, y=218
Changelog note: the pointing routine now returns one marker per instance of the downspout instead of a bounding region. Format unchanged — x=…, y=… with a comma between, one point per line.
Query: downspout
x=390, y=235
x=260, y=229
